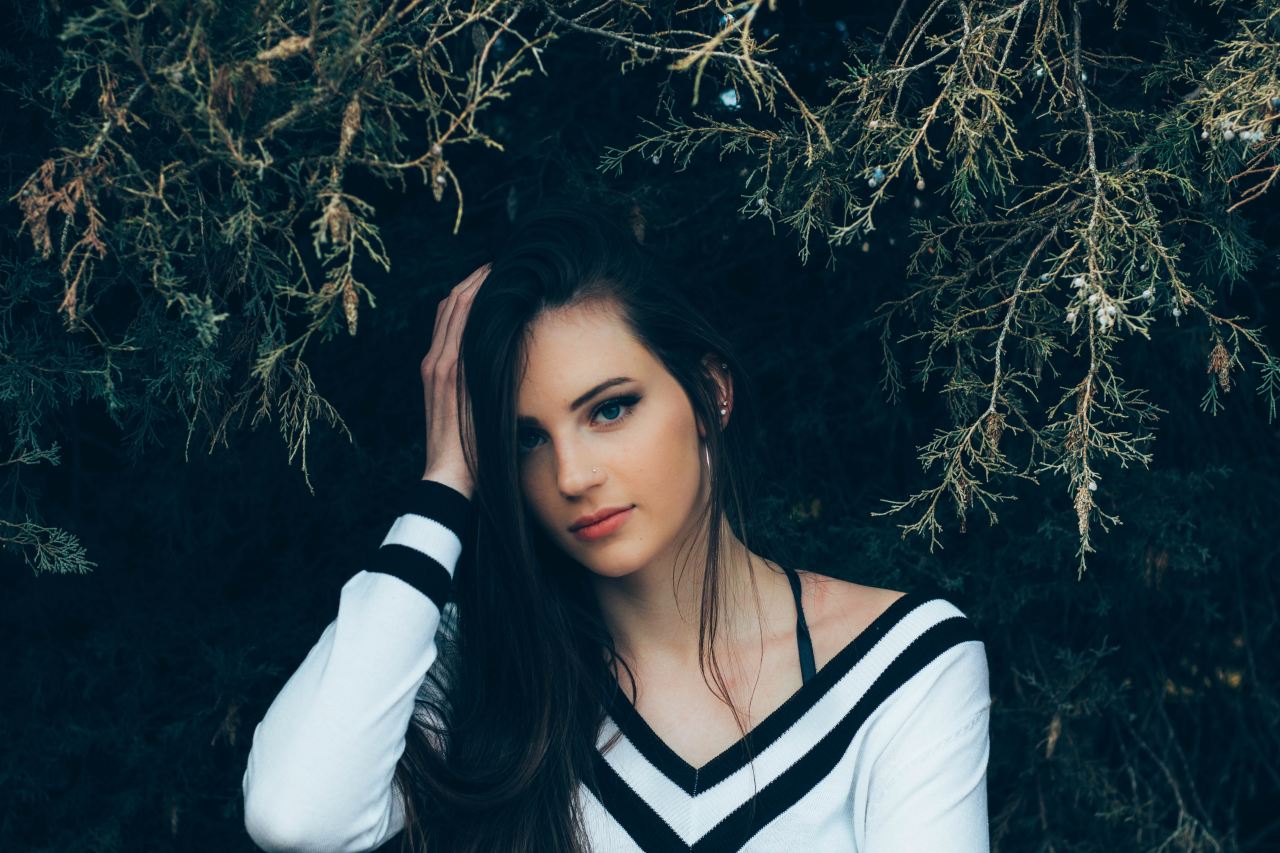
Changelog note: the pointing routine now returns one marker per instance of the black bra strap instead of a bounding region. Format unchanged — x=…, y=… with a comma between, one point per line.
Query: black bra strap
x=807, y=669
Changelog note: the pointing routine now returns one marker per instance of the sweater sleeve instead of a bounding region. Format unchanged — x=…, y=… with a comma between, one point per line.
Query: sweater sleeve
x=320, y=767
x=929, y=787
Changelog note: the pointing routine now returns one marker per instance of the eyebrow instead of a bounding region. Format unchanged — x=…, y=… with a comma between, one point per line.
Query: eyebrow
x=524, y=420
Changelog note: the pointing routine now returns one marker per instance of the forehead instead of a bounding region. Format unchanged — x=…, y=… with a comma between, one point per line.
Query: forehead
x=567, y=350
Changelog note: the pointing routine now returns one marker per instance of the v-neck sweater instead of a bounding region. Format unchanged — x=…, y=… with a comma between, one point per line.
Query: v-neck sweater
x=883, y=750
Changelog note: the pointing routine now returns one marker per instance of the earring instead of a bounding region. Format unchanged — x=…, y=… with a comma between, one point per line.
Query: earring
x=724, y=403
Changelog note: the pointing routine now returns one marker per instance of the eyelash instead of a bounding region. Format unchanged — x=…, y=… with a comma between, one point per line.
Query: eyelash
x=627, y=402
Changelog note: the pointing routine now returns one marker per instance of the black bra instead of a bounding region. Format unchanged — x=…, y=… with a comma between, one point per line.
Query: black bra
x=807, y=668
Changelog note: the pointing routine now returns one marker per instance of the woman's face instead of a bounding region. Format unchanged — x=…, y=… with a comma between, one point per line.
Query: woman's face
x=634, y=443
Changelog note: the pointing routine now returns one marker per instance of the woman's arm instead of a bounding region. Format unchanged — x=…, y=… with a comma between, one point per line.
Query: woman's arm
x=928, y=790
x=322, y=759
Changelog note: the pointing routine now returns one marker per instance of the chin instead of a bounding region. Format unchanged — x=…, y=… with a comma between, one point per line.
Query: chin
x=611, y=572
x=606, y=565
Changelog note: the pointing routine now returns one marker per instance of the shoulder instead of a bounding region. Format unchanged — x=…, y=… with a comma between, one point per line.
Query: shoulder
x=843, y=608
x=837, y=611
x=837, y=600
x=932, y=721
x=914, y=639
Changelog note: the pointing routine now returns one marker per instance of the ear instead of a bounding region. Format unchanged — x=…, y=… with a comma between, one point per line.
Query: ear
x=724, y=390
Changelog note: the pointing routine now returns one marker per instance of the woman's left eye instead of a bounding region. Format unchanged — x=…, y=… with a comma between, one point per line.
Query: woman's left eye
x=626, y=404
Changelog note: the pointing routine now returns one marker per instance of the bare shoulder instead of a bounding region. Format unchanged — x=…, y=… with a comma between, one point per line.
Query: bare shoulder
x=838, y=610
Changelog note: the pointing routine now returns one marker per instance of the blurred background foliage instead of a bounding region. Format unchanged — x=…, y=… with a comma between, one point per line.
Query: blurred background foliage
x=980, y=256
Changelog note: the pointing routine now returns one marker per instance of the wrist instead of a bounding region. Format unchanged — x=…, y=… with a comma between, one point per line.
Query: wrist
x=454, y=481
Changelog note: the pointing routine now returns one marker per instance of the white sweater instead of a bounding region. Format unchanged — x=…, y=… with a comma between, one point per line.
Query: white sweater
x=884, y=750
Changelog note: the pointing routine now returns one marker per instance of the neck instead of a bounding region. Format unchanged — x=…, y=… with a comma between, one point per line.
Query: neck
x=654, y=614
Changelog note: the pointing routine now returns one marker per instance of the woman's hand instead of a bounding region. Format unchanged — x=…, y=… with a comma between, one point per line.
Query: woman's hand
x=445, y=460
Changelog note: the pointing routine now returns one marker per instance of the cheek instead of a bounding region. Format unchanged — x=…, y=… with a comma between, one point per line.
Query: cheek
x=667, y=452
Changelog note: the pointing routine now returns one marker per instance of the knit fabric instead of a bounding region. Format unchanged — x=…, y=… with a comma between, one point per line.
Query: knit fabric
x=884, y=749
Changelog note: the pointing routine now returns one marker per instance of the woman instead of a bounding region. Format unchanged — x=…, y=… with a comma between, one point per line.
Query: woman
x=506, y=675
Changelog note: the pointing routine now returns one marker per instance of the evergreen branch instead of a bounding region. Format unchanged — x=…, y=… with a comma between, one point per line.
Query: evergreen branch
x=46, y=550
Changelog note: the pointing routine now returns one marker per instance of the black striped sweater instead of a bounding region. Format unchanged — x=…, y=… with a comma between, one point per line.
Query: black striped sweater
x=883, y=750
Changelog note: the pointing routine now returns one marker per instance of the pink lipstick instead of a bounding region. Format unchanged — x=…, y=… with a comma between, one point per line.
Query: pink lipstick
x=605, y=526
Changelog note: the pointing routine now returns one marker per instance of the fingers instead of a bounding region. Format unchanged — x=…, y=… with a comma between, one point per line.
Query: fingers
x=447, y=314
x=444, y=309
x=462, y=308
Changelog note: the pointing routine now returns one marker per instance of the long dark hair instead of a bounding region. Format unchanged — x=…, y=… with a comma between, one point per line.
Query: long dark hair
x=507, y=722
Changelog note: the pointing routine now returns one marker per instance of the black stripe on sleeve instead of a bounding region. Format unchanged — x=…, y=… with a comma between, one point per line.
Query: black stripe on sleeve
x=420, y=571
x=445, y=504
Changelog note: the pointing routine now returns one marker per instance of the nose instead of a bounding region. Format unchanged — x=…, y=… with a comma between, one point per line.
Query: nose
x=576, y=472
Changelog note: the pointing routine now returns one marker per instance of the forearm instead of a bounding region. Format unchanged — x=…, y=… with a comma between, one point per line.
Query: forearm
x=319, y=773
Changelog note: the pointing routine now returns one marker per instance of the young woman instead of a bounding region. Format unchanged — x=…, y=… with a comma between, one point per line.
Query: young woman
x=564, y=641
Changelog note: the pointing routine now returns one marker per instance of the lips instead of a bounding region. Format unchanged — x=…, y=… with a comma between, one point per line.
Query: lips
x=605, y=528
x=586, y=520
